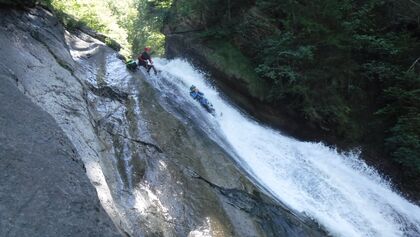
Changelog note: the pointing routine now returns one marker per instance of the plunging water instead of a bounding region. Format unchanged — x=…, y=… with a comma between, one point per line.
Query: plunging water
x=339, y=191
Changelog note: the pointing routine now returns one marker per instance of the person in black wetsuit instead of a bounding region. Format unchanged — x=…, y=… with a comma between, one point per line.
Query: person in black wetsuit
x=146, y=61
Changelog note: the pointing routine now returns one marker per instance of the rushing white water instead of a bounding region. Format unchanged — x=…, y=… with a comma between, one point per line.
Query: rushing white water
x=339, y=191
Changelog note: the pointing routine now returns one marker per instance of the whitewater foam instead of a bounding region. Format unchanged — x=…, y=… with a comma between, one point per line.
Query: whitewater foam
x=339, y=191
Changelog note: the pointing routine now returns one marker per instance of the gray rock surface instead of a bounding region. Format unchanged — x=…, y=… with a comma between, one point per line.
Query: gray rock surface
x=44, y=190
x=155, y=174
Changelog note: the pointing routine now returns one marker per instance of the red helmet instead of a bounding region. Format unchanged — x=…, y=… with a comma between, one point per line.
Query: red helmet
x=147, y=49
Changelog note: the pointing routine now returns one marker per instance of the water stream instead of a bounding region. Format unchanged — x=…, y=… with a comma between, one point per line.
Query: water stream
x=339, y=191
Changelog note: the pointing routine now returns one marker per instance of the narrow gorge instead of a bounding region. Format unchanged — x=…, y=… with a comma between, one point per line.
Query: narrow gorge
x=295, y=147
x=70, y=106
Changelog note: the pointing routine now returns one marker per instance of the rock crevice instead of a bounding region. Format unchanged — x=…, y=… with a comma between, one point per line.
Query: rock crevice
x=154, y=174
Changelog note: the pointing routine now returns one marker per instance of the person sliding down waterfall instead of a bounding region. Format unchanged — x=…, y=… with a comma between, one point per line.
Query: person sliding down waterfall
x=146, y=61
x=199, y=96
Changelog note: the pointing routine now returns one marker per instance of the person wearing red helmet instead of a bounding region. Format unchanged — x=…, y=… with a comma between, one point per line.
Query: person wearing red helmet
x=146, y=61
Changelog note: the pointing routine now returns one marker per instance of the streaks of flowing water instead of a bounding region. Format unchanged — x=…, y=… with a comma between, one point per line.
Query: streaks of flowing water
x=338, y=190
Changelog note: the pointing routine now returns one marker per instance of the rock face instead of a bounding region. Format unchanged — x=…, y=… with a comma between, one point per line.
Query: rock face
x=187, y=45
x=155, y=175
x=44, y=190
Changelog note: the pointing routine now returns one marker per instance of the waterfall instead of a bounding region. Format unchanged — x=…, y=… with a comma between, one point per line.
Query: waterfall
x=337, y=190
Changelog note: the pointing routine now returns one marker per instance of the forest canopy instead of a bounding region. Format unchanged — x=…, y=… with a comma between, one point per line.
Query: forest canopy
x=349, y=67
x=132, y=23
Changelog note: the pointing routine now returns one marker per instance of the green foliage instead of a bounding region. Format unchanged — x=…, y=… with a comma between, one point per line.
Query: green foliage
x=134, y=24
x=69, y=22
x=216, y=33
x=97, y=15
x=290, y=67
x=231, y=60
x=145, y=29
x=404, y=142
x=402, y=110
x=347, y=66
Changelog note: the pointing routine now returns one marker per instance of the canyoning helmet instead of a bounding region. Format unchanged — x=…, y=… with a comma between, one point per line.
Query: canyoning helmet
x=147, y=49
x=192, y=88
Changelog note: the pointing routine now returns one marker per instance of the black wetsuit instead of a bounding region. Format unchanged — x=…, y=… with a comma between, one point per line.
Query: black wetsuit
x=143, y=58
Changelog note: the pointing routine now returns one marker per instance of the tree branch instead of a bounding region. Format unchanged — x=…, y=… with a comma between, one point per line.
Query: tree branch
x=415, y=3
x=412, y=65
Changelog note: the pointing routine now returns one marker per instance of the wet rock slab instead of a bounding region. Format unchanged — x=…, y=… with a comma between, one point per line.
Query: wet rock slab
x=155, y=174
